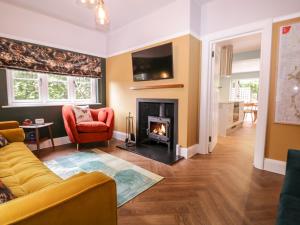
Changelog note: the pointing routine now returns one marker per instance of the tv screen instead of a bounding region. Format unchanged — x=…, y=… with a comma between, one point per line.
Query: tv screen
x=153, y=63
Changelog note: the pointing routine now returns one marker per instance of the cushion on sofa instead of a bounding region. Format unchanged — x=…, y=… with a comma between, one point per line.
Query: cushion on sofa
x=5, y=193
x=91, y=127
x=289, y=210
x=3, y=141
x=22, y=172
x=102, y=115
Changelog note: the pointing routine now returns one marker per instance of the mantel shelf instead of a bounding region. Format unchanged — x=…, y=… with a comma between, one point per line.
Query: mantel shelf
x=159, y=86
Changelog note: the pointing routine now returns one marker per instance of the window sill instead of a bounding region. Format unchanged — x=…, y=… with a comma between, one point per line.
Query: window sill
x=45, y=105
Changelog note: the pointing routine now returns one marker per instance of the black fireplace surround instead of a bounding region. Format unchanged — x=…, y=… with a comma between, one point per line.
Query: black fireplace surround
x=156, y=129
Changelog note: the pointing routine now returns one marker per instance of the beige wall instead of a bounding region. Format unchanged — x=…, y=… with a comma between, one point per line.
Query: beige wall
x=280, y=137
x=186, y=51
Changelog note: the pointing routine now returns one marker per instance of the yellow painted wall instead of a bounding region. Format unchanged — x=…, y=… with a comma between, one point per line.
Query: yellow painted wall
x=280, y=137
x=193, y=92
x=119, y=79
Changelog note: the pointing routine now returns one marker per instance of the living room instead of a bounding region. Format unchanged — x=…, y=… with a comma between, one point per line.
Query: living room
x=106, y=109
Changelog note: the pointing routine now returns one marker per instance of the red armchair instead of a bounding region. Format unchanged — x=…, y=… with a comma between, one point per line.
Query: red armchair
x=101, y=129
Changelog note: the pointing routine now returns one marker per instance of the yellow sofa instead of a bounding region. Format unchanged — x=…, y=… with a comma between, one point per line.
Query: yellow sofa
x=43, y=198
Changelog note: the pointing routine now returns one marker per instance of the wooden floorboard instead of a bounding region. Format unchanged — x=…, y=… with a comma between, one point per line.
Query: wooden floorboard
x=221, y=188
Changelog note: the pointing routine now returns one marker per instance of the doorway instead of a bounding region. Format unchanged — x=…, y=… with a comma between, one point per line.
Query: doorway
x=207, y=82
x=235, y=87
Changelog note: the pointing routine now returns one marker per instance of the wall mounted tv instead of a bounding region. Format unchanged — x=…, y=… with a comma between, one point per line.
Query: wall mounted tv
x=153, y=63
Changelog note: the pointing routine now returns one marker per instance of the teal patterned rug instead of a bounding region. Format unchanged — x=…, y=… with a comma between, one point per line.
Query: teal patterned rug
x=131, y=180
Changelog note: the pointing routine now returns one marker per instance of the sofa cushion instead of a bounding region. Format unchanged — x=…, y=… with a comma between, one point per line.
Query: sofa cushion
x=22, y=172
x=5, y=193
x=3, y=141
x=289, y=210
x=91, y=127
x=102, y=115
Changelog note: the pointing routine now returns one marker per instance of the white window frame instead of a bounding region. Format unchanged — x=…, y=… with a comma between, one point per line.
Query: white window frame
x=43, y=92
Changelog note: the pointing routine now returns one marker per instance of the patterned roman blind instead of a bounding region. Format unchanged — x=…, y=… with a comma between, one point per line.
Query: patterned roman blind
x=32, y=57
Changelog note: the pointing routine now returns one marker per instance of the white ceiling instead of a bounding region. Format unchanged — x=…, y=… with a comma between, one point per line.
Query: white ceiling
x=121, y=12
x=244, y=44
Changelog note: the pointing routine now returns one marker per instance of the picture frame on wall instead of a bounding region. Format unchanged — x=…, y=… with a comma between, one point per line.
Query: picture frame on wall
x=287, y=109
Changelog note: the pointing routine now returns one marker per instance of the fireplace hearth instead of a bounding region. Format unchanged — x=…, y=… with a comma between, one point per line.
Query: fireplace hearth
x=156, y=130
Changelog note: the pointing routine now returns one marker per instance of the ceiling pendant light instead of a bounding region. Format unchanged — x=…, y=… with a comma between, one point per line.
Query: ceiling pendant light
x=88, y=3
x=101, y=13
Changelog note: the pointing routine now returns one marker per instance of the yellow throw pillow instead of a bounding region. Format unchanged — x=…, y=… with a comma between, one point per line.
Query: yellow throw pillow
x=13, y=135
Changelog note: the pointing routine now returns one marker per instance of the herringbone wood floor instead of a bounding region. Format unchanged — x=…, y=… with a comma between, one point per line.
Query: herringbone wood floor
x=222, y=188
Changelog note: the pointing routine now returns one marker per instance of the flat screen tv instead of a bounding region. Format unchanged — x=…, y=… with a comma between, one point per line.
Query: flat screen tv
x=153, y=63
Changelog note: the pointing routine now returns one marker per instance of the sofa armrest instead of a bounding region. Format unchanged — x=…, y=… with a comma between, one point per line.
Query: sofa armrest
x=13, y=135
x=293, y=160
x=9, y=125
x=82, y=200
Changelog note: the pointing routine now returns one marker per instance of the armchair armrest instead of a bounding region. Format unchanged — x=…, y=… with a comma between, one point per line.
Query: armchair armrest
x=70, y=123
x=82, y=200
x=109, y=119
x=9, y=125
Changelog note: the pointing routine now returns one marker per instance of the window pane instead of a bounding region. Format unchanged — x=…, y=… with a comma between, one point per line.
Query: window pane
x=83, y=88
x=25, y=86
x=25, y=74
x=57, y=87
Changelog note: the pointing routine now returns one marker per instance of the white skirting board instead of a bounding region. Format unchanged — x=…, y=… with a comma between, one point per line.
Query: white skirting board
x=275, y=166
x=47, y=143
x=184, y=152
x=119, y=135
x=187, y=152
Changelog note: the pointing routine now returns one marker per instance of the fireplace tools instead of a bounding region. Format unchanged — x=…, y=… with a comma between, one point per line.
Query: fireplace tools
x=130, y=137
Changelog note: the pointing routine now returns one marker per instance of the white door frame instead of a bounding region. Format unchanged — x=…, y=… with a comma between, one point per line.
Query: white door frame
x=265, y=28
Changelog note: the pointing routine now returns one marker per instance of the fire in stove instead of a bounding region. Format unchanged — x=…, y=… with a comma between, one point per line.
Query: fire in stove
x=160, y=130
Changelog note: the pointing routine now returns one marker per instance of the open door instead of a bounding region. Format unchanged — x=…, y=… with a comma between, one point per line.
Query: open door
x=215, y=92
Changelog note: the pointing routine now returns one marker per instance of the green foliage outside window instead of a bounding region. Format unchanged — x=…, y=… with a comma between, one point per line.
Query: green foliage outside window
x=83, y=88
x=26, y=86
x=57, y=87
x=253, y=84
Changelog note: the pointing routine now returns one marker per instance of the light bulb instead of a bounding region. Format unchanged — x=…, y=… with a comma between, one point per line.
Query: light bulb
x=88, y=3
x=101, y=15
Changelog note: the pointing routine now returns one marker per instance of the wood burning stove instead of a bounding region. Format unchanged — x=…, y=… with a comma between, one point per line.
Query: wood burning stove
x=159, y=129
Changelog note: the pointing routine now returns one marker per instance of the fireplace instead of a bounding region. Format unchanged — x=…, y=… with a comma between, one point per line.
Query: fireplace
x=156, y=129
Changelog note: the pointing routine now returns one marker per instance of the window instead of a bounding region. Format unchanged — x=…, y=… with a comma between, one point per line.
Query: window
x=30, y=88
x=58, y=88
x=26, y=87
x=245, y=90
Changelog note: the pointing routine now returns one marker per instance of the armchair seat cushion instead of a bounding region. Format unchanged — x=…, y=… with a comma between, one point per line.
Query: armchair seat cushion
x=92, y=127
